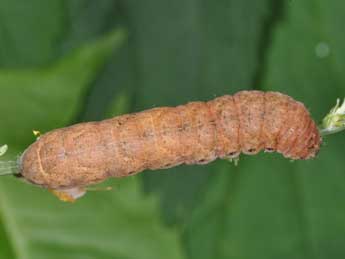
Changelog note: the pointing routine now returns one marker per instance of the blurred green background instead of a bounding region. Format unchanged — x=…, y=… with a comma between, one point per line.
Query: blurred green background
x=63, y=62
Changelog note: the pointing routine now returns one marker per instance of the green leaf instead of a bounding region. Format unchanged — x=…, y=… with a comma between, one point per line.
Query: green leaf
x=119, y=105
x=46, y=98
x=116, y=224
x=269, y=207
x=5, y=248
x=209, y=50
x=79, y=13
x=253, y=205
x=119, y=75
x=30, y=31
x=317, y=78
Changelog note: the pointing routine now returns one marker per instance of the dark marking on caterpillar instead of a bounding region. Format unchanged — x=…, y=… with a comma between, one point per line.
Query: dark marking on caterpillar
x=195, y=133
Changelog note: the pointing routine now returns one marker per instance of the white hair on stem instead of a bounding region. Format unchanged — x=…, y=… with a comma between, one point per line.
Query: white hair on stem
x=7, y=167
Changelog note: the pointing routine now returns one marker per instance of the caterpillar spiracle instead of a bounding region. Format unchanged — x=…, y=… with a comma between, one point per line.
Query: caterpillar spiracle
x=68, y=159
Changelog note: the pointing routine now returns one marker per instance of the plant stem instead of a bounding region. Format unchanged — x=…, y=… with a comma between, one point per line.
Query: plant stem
x=334, y=121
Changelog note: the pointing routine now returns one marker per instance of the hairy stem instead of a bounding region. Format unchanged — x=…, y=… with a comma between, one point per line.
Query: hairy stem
x=334, y=121
x=7, y=167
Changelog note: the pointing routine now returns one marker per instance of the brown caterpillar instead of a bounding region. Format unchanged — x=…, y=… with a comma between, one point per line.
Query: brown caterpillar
x=71, y=158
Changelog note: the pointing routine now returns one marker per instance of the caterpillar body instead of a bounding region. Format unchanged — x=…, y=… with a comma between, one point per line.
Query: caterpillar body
x=68, y=159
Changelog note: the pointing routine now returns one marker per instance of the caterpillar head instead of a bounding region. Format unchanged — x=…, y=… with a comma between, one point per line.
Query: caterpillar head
x=30, y=170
